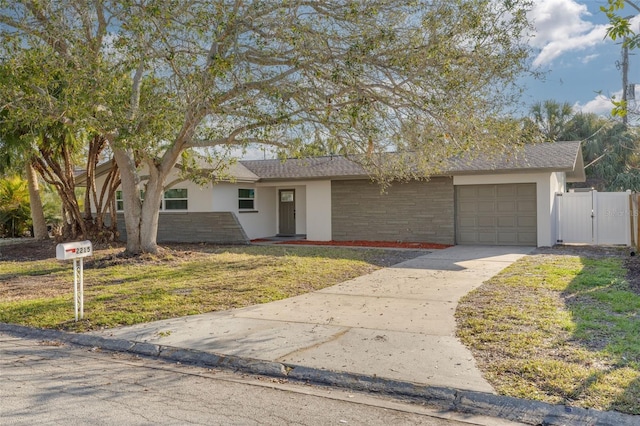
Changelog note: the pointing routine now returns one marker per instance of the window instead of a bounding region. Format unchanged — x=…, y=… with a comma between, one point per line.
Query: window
x=119, y=201
x=175, y=199
x=246, y=199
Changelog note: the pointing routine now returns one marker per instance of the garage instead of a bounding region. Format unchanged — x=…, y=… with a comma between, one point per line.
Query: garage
x=501, y=214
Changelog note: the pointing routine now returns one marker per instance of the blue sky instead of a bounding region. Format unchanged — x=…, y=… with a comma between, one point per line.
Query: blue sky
x=578, y=61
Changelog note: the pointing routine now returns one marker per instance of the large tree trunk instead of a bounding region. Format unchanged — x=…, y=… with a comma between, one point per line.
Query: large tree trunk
x=150, y=215
x=40, y=231
x=130, y=198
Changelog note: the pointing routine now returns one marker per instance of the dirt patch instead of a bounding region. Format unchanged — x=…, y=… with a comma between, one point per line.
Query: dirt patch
x=596, y=252
x=632, y=264
x=19, y=288
x=27, y=249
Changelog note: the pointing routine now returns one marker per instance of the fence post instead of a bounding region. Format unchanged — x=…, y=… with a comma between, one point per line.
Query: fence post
x=634, y=213
x=558, y=201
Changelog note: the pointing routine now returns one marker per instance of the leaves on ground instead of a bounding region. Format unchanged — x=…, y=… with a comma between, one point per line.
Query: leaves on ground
x=559, y=326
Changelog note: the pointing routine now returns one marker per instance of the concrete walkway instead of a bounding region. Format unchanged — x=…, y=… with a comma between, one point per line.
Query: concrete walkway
x=396, y=323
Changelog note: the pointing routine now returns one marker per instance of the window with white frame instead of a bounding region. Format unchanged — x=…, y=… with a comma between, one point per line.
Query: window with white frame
x=173, y=199
x=246, y=199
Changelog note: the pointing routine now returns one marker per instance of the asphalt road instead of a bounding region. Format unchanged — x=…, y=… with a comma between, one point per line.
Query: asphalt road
x=52, y=383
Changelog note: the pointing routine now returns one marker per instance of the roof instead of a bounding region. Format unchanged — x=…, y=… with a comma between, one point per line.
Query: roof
x=334, y=166
x=241, y=174
x=551, y=157
x=233, y=172
x=544, y=157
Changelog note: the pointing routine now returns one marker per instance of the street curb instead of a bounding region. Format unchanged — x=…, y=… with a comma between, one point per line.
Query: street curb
x=463, y=401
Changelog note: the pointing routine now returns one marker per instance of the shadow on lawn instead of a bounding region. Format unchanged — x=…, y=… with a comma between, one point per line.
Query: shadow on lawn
x=606, y=314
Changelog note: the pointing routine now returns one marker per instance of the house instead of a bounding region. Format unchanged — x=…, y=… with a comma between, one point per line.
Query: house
x=500, y=200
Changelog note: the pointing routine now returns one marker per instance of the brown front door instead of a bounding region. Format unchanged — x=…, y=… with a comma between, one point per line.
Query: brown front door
x=287, y=212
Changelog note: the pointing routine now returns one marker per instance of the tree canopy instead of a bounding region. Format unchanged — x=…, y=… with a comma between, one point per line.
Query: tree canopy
x=158, y=79
x=610, y=148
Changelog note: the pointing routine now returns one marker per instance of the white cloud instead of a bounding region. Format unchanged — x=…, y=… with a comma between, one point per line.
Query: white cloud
x=589, y=58
x=600, y=105
x=561, y=27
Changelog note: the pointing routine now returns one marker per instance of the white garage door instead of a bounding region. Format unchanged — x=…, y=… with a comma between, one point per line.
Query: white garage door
x=496, y=214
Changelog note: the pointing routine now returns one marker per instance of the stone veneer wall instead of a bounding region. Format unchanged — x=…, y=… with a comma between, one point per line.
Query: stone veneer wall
x=412, y=211
x=207, y=227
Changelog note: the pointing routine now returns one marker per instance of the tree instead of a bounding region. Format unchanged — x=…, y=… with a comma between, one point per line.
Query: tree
x=620, y=28
x=14, y=207
x=610, y=151
x=610, y=148
x=12, y=158
x=160, y=79
x=550, y=119
x=54, y=147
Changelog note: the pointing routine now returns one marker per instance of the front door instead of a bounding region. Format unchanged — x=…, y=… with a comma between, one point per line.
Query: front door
x=287, y=212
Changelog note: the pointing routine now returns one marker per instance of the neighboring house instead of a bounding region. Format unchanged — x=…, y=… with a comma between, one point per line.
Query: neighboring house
x=504, y=201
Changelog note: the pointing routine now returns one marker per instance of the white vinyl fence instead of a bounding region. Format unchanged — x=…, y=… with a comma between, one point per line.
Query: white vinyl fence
x=595, y=218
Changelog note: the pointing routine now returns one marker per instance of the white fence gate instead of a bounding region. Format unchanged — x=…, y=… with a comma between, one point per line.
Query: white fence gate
x=594, y=217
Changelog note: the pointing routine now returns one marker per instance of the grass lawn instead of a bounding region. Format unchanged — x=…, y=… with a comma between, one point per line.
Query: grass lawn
x=560, y=328
x=181, y=281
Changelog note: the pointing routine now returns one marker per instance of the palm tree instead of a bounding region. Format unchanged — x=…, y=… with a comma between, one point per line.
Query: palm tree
x=14, y=207
x=550, y=118
x=14, y=155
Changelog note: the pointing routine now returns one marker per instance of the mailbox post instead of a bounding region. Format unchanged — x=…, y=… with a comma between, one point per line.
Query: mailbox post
x=77, y=251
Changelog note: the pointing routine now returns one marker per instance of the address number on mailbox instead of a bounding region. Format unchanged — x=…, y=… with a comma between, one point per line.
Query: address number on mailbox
x=65, y=251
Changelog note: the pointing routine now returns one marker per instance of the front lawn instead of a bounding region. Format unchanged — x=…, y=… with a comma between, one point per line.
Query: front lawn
x=560, y=328
x=184, y=280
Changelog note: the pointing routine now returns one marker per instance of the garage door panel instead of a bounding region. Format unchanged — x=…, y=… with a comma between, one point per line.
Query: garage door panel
x=486, y=222
x=503, y=214
x=527, y=206
x=506, y=206
x=527, y=191
x=486, y=206
x=468, y=207
x=469, y=222
x=507, y=238
x=508, y=191
x=527, y=222
x=484, y=191
x=527, y=238
x=486, y=238
x=468, y=191
x=507, y=222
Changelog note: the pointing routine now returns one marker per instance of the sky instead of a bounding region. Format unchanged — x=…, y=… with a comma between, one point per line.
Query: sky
x=578, y=61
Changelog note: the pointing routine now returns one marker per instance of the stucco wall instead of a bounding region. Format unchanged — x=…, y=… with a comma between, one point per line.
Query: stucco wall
x=258, y=223
x=411, y=211
x=200, y=198
x=319, y=210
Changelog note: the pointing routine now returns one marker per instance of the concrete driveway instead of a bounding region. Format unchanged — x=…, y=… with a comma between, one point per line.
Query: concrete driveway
x=396, y=323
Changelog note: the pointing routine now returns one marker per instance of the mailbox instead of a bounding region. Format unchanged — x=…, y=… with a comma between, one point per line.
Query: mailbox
x=75, y=250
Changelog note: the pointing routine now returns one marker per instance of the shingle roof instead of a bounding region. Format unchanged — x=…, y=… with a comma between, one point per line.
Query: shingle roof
x=242, y=173
x=558, y=156
x=306, y=168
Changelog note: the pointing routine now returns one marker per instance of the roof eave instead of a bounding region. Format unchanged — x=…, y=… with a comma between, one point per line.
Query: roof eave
x=577, y=174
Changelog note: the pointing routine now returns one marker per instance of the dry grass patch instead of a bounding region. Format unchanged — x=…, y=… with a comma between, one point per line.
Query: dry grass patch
x=183, y=280
x=560, y=328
